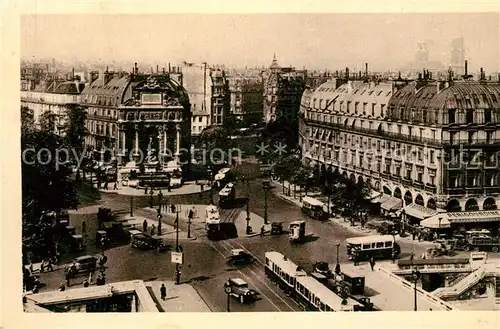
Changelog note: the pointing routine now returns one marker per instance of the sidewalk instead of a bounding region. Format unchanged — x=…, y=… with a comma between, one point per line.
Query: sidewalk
x=180, y=298
x=341, y=221
x=189, y=187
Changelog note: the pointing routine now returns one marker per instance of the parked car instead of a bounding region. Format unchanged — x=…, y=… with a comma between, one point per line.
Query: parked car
x=239, y=256
x=240, y=290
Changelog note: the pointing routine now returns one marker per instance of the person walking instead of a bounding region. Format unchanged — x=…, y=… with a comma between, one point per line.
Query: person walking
x=153, y=229
x=163, y=291
x=262, y=231
x=115, y=186
x=372, y=263
x=68, y=278
x=144, y=226
x=172, y=208
x=50, y=267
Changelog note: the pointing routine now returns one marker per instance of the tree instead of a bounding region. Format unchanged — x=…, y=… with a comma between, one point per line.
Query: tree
x=27, y=119
x=301, y=177
x=46, y=187
x=48, y=121
x=285, y=167
x=75, y=130
x=214, y=137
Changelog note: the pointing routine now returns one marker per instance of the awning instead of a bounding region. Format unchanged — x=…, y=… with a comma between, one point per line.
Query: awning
x=436, y=221
x=392, y=204
x=474, y=216
x=372, y=195
x=418, y=211
x=381, y=199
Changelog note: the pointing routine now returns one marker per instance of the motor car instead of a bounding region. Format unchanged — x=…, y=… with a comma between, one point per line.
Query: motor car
x=239, y=256
x=83, y=264
x=276, y=228
x=239, y=289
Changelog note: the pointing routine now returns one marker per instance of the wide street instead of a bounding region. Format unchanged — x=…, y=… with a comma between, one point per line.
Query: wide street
x=205, y=266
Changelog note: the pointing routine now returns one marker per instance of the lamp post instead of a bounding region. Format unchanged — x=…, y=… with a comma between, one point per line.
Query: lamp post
x=177, y=271
x=131, y=206
x=337, y=266
x=160, y=196
x=211, y=187
x=266, y=187
x=416, y=275
x=190, y=216
x=227, y=289
x=248, y=208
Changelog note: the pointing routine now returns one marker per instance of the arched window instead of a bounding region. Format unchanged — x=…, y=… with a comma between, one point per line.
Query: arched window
x=453, y=205
x=387, y=190
x=408, y=197
x=489, y=204
x=419, y=200
x=397, y=193
x=431, y=204
x=471, y=205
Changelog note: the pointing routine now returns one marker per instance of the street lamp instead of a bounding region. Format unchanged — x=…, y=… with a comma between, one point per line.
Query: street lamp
x=227, y=289
x=177, y=271
x=266, y=187
x=131, y=206
x=211, y=187
x=416, y=275
x=337, y=266
x=151, y=193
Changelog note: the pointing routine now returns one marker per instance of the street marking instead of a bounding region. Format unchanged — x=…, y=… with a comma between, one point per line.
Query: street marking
x=264, y=283
x=246, y=276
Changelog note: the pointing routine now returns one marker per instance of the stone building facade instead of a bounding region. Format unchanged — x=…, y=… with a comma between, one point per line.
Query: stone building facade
x=431, y=145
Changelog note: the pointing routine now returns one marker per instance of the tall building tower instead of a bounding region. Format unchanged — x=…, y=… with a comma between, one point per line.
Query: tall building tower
x=422, y=55
x=457, y=57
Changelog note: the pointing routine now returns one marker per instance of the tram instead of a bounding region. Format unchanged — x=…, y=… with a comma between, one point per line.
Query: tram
x=227, y=195
x=212, y=222
x=308, y=291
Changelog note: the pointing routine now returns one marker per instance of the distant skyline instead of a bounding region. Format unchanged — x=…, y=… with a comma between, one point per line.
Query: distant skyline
x=314, y=41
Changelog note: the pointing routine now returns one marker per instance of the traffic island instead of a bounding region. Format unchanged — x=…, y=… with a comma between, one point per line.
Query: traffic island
x=179, y=298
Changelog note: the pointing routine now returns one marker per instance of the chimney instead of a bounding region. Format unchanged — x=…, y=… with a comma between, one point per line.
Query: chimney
x=136, y=69
x=73, y=74
x=157, y=71
x=347, y=73
x=482, y=76
x=366, y=69
x=163, y=70
x=169, y=71
x=466, y=68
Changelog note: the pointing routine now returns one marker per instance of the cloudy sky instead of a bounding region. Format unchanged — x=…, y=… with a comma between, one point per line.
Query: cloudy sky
x=385, y=41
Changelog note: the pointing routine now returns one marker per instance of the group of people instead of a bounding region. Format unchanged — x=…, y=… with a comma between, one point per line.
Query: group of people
x=355, y=256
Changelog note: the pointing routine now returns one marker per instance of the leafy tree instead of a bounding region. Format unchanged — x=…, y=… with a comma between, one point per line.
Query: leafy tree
x=285, y=167
x=27, y=119
x=301, y=177
x=48, y=121
x=75, y=130
x=46, y=187
x=214, y=137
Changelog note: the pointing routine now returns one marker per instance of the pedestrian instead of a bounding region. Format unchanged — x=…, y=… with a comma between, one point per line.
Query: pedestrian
x=201, y=187
x=419, y=237
x=191, y=214
x=262, y=231
x=144, y=226
x=163, y=291
x=172, y=207
x=50, y=268
x=372, y=263
x=413, y=235
x=115, y=186
x=68, y=277
x=153, y=229
x=106, y=185
x=62, y=287
x=146, y=190
x=86, y=283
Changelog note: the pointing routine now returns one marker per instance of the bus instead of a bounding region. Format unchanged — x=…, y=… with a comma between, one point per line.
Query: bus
x=376, y=246
x=297, y=231
x=314, y=208
x=227, y=195
x=305, y=289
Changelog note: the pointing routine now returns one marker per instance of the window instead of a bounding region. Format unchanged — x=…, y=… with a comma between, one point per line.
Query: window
x=431, y=156
x=470, y=116
x=364, y=108
x=419, y=177
x=487, y=116
x=410, y=131
x=408, y=173
x=382, y=110
x=451, y=116
x=379, y=245
x=366, y=246
x=420, y=153
x=388, y=244
x=399, y=129
x=373, y=109
x=398, y=171
x=471, y=137
x=388, y=166
x=432, y=179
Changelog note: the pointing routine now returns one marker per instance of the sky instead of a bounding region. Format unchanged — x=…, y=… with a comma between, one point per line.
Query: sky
x=314, y=41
